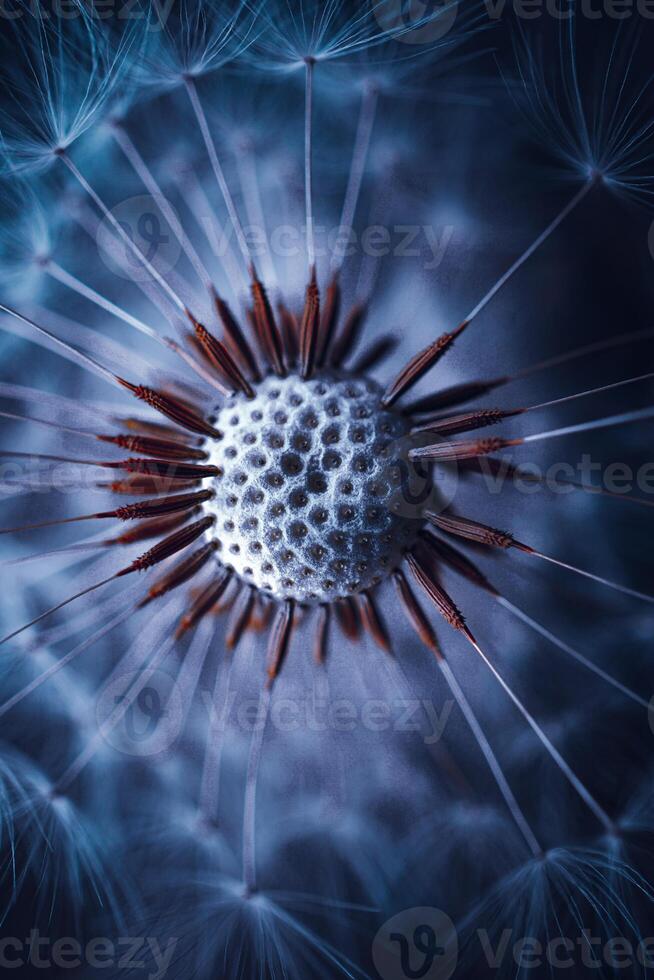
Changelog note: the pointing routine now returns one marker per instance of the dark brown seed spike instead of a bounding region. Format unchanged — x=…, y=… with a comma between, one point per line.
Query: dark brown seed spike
x=322, y=635
x=310, y=328
x=329, y=320
x=450, y=452
x=172, y=408
x=153, y=528
x=236, y=338
x=239, y=618
x=203, y=604
x=225, y=604
x=375, y=354
x=419, y=365
x=181, y=573
x=169, y=546
x=280, y=639
x=347, y=614
x=346, y=341
x=166, y=470
x=147, y=485
x=466, y=422
x=148, y=446
x=415, y=614
x=162, y=506
x=290, y=333
x=456, y=395
x=267, y=327
x=444, y=552
x=475, y=531
x=446, y=607
x=159, y=429
x=373, y=622
x=262, y=615
x=218, y=355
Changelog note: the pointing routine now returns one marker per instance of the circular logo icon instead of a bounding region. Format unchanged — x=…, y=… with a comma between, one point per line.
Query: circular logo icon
x=146, y=724
x=417, y=944
x=153, y=242
x=416, y=485
x=416, y=21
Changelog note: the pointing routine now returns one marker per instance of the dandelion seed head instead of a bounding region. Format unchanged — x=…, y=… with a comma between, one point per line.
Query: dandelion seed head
x=71, y=70
x=304, y=502
x=28, y=233
x=193, y=38
x=601, y=132
x=248, y=467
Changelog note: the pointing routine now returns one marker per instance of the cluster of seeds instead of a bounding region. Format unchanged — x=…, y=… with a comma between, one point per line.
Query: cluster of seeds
x=306, y=505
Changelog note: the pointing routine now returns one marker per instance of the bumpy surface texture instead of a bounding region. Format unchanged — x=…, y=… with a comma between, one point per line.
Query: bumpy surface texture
x=308, y=506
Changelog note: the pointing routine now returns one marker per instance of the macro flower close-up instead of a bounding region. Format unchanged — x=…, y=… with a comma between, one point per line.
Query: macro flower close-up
x=326, y=410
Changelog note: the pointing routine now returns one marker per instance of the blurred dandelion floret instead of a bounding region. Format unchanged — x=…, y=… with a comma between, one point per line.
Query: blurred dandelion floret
x=257, y=456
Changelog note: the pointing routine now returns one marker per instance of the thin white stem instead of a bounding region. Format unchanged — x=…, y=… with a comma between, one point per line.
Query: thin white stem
x=357, y=168
x=17, y=417
x=247, y=172
x=54, y=609
x=592, y=391
x=83, y=290
x=210, y=786
x=535, y=245
x=79, y=619
x=149, y=181
x=621, y=340
x=595, y=578
x=308, y=163
x=196, y=367
x=491, y=759
x=120, y=231
x=554, y=753
x=193, y=663
x=99, y=739
x=205, y=217
x=83, y=359
x=72, y=282
x=65, y=661
x=250, y=803
x=566, y=648
x=379, y=214
x=551, y=482
x=91, y=545
x=50, y=400
x=605, y=423
x=87, y=218
x=217, y=169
